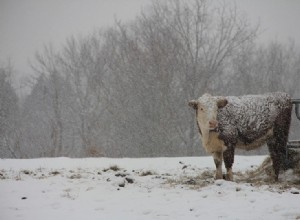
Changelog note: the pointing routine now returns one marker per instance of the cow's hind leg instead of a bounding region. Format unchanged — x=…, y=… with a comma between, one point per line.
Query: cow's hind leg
x=279, y=140
x=275, y=156
x=277, y=149
x=228, y=156
x=218, y=158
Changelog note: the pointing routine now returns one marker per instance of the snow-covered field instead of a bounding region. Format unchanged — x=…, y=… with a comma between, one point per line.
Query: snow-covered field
x=156, y=188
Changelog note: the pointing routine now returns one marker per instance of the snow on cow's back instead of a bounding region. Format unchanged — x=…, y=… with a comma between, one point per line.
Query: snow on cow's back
x=254, y=110
x=259, y=101
x=250, y=117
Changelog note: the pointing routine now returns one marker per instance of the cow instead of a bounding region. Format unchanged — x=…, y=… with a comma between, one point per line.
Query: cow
x=243, y=122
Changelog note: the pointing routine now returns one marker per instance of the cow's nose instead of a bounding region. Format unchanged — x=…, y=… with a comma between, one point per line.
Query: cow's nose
x=213, y=124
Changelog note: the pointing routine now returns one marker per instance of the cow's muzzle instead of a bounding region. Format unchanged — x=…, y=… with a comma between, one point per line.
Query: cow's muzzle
x=213, y=125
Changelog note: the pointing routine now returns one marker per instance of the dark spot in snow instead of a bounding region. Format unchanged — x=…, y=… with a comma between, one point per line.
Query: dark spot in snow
x=147, y=173
x=75, y=176
x=23, y=198
x=129, y=180
x=27, y=172
x=122, y=184
x=2, y=176
x=54, y=173
x=191, y=182
x=238, y=189
x=114, y=168
x=121, y=175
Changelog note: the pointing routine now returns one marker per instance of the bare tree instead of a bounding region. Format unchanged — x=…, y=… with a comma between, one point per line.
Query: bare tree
x=190, y=43
x=46, y=111
x=174, y=51
x=84, y=65
x=9, y=115
x=123, y=91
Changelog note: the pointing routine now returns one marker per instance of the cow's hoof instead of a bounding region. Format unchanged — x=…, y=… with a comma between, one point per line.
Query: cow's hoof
x=228, y=177
x=219, y=176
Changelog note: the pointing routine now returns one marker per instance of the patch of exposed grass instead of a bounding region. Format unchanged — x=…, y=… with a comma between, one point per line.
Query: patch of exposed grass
x=2, y=175
x=54, y=173
x=261, y=176
x=193, y=182
x=147, y=173
x=264, y=176
x=114, y=168
x=26, y=172
x=75, y=176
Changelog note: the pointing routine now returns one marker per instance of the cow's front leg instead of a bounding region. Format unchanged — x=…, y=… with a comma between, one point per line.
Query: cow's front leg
x=228, y=156
x=218, y=158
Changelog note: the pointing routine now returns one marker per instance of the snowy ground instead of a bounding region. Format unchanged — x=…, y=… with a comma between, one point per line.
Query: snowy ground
x=158, y=188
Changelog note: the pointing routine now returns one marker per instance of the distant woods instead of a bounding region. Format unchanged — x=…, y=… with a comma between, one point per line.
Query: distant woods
x=123, y=91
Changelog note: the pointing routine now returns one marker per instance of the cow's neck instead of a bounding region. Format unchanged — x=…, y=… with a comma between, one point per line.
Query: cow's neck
x=211, y=141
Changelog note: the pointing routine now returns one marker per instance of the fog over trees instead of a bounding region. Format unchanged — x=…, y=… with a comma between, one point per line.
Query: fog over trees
x=123, y=91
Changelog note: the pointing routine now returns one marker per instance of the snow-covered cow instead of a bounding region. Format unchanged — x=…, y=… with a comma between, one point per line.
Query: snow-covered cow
x=244, y=122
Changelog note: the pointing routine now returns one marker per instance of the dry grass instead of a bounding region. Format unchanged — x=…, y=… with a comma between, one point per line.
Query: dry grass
x=114, y=168
x=261, y=176
x=264, y=175
x=147, y=173
x=2, y=175
x=193, y=182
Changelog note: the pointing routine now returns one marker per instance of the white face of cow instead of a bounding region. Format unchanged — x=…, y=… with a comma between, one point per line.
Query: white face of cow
x=207, y=108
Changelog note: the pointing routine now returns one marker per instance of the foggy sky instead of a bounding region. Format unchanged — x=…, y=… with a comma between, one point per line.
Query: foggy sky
x=26, y=25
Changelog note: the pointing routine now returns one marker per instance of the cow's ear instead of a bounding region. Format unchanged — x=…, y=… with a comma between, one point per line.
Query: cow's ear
x=221, y=103
x=193, y=104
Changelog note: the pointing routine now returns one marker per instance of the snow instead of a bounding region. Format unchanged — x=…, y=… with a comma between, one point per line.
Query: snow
x=64, y=188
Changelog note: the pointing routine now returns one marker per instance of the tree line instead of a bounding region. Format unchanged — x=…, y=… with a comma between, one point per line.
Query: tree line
x=123, y=91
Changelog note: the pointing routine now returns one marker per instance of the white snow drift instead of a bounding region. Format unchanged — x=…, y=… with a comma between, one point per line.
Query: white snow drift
x=158, y=188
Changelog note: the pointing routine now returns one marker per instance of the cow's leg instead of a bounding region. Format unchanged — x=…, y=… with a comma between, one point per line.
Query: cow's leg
x=275, y=156
x=278, y=142
x=276, y=146
x=218, y=162
x=228, y=156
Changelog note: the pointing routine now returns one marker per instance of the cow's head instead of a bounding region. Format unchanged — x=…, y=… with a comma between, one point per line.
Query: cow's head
x=207, y=108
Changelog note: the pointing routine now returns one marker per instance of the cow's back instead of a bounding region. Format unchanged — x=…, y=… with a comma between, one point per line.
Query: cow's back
x=248, y=119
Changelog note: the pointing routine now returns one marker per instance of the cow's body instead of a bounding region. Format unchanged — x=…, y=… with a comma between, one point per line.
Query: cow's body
x=245, y=122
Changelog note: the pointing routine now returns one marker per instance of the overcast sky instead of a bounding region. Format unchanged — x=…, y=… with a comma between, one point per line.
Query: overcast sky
x=26, y=25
